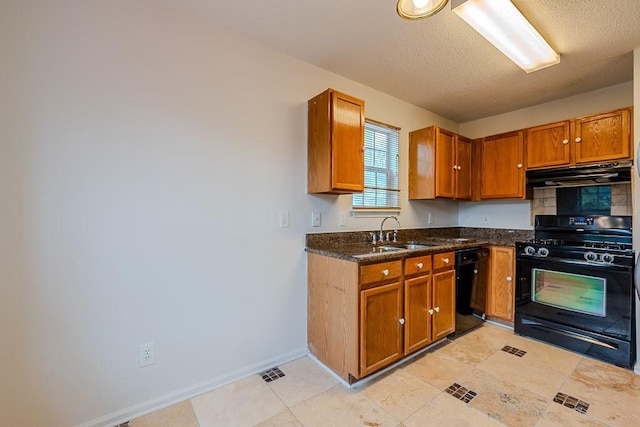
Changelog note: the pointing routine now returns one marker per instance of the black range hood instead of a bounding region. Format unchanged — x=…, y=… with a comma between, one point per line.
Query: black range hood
x=571, y=176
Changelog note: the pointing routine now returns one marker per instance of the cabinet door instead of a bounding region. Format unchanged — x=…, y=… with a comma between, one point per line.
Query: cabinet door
x=502, y=166
x=381, y=327
x=445, y=163
x=417, y=327
x=347, y=142
x=500, y=293
x=602, y=137
x=444, y=304
x=422, y=163
x=548, y=145
x=464, y=167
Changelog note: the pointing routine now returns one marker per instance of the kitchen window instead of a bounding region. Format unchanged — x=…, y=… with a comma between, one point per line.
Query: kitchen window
x=381, y=189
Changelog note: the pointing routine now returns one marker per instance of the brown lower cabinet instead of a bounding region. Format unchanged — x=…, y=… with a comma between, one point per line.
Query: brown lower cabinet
x=362, y=318
x=501, y=291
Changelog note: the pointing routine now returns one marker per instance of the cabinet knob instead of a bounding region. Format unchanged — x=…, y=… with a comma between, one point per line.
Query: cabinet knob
x=385, y=272
x=519, y=165
x=455, y=167
x=445, y=260
x=565, y=141
x=401, y=321
x=430, y=311
x=459, y=167
x=509, y=278
x=362, y=149
x=419, y=265
x=578, y=139
x=437, y=309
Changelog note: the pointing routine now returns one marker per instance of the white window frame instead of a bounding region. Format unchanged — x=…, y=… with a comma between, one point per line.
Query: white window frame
x=381, y=181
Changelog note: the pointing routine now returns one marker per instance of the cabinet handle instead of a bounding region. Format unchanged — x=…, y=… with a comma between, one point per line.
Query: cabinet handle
x=578, y=139
x=509, y=278
x=431, y=311
x=437, y=309
x=445, y=260
x=401, y=321
x=565, y=141
x=519, y=165
x=385, y=272
x=419, y=265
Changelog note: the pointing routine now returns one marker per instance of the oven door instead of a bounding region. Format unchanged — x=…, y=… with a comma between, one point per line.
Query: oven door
x=581, y=306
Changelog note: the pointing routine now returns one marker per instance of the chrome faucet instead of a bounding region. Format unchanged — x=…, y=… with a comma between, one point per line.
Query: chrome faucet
x=395, y=232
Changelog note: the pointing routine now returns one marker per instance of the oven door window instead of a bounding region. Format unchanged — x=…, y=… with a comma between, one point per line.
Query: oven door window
x=574, y=292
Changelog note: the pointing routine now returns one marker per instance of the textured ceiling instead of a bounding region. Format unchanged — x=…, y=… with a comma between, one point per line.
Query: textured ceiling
x=440, y=63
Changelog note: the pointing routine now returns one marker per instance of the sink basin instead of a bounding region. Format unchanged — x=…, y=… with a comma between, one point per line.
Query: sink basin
x=405, y=247
x=389, y=248
x=415, y=246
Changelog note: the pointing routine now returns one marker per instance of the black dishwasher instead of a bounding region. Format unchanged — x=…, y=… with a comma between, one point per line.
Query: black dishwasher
x=471, y=288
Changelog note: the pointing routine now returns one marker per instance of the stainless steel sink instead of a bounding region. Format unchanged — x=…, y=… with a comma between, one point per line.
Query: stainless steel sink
x=403, y=247
x=389, y=248
x=415, y=246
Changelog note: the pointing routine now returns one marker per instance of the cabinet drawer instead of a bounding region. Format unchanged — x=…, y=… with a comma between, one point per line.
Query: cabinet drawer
x=443, y=260
x=417, y=265
x=381, y=271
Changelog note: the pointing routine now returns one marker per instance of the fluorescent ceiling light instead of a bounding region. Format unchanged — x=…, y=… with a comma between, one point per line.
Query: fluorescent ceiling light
x=500, y=22
x=418, y=9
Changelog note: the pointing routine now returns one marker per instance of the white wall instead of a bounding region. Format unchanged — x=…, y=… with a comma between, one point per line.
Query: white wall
x=144, y=157
x=516, y=214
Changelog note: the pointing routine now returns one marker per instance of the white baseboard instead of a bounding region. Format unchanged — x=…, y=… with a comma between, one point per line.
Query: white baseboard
x=189, y=392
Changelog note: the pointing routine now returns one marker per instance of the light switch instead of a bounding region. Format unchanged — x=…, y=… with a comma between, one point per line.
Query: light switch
x=315, y=219
x=283, y=217
x=342, y=219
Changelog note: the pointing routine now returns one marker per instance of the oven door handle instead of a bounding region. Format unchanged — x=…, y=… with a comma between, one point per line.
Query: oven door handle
x=569, y=334
x=637, y=276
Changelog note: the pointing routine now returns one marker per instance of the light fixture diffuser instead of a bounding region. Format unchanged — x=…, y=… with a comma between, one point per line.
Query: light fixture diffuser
x=418, y=9
x=500, y=22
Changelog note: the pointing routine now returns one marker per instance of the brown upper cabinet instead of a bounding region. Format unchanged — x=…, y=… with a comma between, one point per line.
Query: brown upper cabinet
x=335, y=152
x=502, y=166
x=439, y=164
x=591, y=139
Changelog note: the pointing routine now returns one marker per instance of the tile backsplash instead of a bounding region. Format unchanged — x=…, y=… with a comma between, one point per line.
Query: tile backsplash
x=544, y=201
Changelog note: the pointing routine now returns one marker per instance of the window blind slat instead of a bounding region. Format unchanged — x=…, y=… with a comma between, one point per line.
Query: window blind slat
x=381, y=168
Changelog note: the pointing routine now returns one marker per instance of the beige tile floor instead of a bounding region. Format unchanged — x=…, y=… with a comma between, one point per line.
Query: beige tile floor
x=511, y=391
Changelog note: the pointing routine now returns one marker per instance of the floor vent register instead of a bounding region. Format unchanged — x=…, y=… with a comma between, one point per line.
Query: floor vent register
x=514, y=351
x=271, y=374
x=461, y=393
x=571, y=402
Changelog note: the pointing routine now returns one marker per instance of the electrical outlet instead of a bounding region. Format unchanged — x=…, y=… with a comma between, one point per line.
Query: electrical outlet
x=146, y=354
x=315, y=219
x=485, y=219
x=342, y=219
x=430, y=218
x=283, y=218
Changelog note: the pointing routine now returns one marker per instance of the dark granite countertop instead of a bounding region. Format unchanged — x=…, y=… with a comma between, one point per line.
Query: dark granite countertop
x=357, y=246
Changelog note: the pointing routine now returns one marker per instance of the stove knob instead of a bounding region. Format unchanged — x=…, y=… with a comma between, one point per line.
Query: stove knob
x=590, y=256
x=543, y=252
x=529, y=250
x=608, y=258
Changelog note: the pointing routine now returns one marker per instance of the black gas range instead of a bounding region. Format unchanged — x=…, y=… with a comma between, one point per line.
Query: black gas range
x=574, y=285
